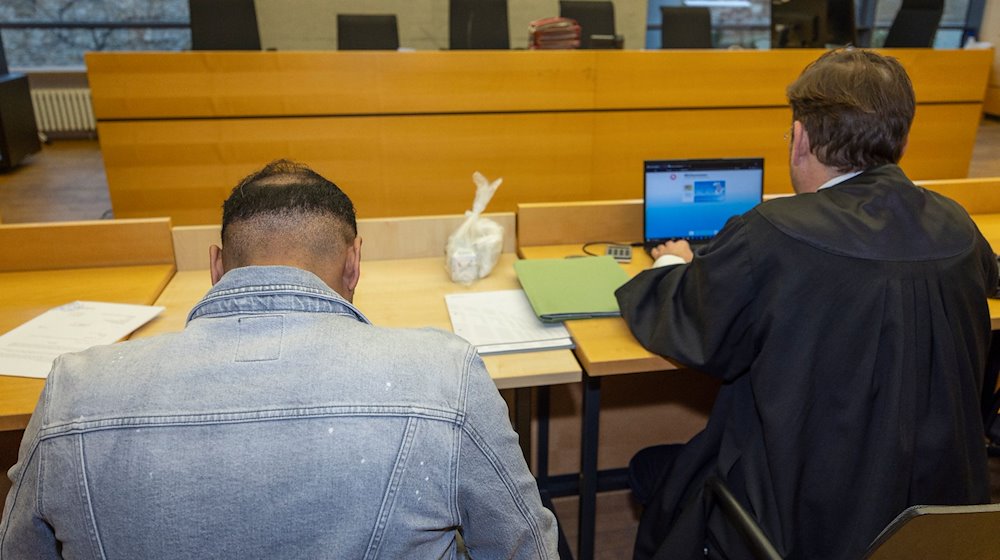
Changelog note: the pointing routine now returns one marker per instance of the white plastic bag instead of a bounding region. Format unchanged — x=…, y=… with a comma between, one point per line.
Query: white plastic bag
x=474, y=248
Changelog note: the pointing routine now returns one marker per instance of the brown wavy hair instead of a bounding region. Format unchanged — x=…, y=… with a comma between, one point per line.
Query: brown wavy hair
x=857, y=107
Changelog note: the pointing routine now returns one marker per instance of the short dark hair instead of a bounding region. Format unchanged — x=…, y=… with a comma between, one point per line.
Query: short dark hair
x=857, y=107
x=283, y=196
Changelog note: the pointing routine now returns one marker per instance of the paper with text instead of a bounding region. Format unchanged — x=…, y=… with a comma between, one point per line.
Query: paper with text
x=503, y=321
x=30, y=349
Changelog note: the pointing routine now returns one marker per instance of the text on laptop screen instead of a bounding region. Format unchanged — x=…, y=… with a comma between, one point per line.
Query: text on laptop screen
x=693, y=199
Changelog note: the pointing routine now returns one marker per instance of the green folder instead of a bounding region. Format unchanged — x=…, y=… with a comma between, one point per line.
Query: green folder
x=575, y=288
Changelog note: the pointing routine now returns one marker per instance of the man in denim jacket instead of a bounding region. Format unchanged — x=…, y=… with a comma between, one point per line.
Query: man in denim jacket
x=279, y=424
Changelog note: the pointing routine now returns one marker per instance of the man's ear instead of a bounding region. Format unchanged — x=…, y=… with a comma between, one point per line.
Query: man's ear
x=800, y=143
x=352, y=268
x=215, y=263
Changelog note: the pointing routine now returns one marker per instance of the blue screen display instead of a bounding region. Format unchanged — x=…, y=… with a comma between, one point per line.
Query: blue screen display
x=696, y=203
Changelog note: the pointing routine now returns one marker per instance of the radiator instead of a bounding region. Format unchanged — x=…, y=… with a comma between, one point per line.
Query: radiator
x=63, y=110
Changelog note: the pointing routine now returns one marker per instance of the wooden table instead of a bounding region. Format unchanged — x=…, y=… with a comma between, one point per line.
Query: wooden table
x=400, y=293
x=29, y=294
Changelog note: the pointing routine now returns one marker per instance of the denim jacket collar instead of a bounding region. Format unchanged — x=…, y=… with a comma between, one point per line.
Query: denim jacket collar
x=264, y=289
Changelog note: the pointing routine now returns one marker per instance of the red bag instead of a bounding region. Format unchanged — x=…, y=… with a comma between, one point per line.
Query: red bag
x=554, y=33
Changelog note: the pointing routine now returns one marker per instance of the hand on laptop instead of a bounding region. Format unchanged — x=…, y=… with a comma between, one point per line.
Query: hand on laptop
x=679, y=248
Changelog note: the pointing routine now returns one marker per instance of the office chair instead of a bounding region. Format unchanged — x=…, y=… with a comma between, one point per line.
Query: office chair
x=686, y=28
x=919, y=532
x=595, y=18
x=478, y=24
x=218, y=25
x=915, y=24
x=367, y=32
x=841, y=27
x=798, y=23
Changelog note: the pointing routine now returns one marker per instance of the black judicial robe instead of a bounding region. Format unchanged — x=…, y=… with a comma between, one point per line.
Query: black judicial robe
x=850, y=329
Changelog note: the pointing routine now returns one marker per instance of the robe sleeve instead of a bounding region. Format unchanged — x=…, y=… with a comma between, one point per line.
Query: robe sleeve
x=698, y=313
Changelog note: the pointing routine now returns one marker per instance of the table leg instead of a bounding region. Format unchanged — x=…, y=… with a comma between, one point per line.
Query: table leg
x=522, y=420
x=588, y=466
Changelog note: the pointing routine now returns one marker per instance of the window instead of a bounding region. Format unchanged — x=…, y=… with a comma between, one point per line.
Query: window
x=47, y=33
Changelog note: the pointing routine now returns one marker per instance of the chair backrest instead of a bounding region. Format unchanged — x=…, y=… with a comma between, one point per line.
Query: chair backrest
x=223, y=25
x=686, y=28
x=940, y=532
x=799, y=24
x=478, y=24
x=841, y=27
x=594, y=17
x=915, y=24
x=365, y=32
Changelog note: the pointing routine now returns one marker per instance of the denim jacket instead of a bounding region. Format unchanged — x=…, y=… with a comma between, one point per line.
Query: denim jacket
x=279, y=424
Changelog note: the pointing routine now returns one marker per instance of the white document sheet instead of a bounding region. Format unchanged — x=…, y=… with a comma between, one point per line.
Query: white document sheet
x=503, y=321
x=30, y=349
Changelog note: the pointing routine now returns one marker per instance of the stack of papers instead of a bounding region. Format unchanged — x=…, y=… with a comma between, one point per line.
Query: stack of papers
x=502, y=321
x=576, y=288
x=30, y=349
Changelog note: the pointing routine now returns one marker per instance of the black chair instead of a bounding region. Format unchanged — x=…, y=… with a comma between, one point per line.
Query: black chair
x=686, y=28
x=478, y=24
x=798, y=24
x=938, y=532
x=841, y=27
x=18, y=131
x=367, y=32
x=223, y=25
x=595, y=18
x=915, y=24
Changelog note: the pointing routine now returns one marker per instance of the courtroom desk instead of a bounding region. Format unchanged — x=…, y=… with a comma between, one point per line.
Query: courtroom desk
x=405, y=293
x=29, y=294
x=605, y=346
x=178, y=129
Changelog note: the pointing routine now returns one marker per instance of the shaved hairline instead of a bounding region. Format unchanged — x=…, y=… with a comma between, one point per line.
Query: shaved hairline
x=266, y=236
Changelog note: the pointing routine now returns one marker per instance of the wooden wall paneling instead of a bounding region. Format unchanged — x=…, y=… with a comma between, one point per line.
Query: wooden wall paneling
x=978, y=196
x=188, y=84
x=942, y=75
x=688, y=79
x=383, y=238
x=560, y=223
x=422, y=165
x=623, y=140
x=421, y=236
x=941, y=141
x=529, y=123
x=389, y=166
x=191, y=245
x=98, y=243
x=230, y=84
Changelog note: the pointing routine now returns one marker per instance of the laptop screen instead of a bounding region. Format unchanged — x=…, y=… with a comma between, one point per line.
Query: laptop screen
x=693, y=199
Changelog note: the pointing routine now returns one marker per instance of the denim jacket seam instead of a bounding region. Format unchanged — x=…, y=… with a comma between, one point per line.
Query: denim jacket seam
x=16, y=490
x=249, y=416
x=470, y=355
x=392, y=490
x=84, y=482
x=509, y=484
x=273, y=289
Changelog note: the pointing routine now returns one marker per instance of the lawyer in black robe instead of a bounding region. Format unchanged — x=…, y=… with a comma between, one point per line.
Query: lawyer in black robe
x=850, y=329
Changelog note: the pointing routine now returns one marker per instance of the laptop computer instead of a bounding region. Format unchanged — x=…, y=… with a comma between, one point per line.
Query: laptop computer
x=692, y=199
